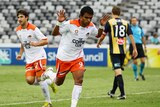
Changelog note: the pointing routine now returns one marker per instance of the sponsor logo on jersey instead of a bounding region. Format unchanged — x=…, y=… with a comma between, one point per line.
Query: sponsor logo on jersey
x=120, y=41
x=79, y=42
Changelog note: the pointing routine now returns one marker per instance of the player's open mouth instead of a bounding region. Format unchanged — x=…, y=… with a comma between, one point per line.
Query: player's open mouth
x=20, y=22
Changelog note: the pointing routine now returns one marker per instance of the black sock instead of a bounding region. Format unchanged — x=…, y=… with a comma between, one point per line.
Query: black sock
x=120, y=84
x=115, y=85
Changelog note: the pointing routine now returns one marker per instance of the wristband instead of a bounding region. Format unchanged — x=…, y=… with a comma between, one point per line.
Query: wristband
x=58, y=23
x=101, y=27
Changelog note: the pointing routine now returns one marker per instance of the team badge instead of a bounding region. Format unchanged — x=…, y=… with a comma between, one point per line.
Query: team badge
x=29, y=36
x=76, y=31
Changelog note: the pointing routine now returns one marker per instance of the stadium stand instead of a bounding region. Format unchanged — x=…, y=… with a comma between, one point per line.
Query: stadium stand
x=43, y=15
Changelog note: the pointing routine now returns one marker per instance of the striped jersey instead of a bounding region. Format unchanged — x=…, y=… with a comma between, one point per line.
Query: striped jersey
x=118, y=29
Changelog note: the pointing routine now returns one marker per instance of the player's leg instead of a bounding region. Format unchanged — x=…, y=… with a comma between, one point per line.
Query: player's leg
x=77, y=89
x=142, y=68
x=114, y=88
x=117, y=62
x=115, y=84
x=30, y=75
x=142, y=59
x=120, y=82
x=62, y=68
x=40, y=67
x=120, y=78
x=134, y=67
x=49, y=76
x=134, y=64
x=78, y=73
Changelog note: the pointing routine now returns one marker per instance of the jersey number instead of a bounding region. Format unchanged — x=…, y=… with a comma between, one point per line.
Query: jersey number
x=27, y=44
x=120, y=31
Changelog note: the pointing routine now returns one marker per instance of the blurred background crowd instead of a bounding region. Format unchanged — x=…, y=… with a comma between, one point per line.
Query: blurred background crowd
x=42, y=13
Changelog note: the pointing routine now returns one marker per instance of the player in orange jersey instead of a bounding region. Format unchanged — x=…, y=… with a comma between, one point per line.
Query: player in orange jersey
x=32, y=42
x=70, y=52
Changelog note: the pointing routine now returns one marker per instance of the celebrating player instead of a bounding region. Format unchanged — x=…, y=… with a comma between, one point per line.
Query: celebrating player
x=70, y=52
x=117, y=29
x=139, y=38
x=32, y=42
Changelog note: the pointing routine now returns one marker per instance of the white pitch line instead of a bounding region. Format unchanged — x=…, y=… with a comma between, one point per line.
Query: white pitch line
x=59, y=100
x=149, y=92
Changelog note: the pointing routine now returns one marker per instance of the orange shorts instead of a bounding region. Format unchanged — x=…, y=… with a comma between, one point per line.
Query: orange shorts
x=63, y=67
x=36, y=68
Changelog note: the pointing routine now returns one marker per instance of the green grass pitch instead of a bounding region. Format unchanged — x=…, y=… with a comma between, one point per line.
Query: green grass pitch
x=15, y=92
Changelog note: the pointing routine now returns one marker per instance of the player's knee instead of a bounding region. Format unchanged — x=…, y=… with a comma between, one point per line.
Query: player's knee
x=135, y=62
x=30, y=82
x=58, y=83
x=143, y=61
x=79, y=81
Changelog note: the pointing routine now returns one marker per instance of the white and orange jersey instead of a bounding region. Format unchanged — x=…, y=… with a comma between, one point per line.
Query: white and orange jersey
x=73, y=39
x=31, y=33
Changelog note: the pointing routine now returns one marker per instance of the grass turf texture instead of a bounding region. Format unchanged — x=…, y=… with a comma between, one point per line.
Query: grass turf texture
x=15, y=92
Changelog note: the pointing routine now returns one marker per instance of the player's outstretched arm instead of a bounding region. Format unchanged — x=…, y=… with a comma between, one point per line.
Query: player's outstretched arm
x=60, y=18
x=102, y=22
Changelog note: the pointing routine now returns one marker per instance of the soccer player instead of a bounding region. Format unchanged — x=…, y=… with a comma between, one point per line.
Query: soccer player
x=139, y=38
x=32, y=42
x=118, y=29
x=70, y=52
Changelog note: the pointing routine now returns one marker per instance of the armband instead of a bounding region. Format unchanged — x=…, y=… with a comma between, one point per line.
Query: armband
x=101, y=27
x=58, y=23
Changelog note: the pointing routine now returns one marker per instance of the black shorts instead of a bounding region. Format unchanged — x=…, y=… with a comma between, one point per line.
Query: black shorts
x=139, y=50
x=117, y=60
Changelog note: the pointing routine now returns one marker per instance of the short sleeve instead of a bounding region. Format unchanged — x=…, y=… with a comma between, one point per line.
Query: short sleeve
x=94, y=31
x=107, y=27
x=142, y=32
x=129, y=30
x=64, y=27
x=39, y=34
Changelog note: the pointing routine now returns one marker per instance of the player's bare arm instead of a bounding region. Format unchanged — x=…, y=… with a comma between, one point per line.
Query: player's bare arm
x=134, y=54
x=40, y=43
x=60, y=18
x=144, y=43
x=100, y=40
x=20, y=53
x=102, y=21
